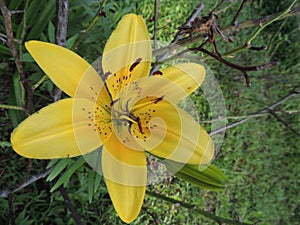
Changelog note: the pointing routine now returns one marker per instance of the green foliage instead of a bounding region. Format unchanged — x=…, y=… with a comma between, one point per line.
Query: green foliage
x=211, y=178
x=259, y=157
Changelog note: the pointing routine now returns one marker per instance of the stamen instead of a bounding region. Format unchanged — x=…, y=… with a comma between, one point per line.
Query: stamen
x=158, y=99
x=127, y=118
x=155, y=73
x=114, y=101
x=106, y=75
x=140, y=124
x=135, y=64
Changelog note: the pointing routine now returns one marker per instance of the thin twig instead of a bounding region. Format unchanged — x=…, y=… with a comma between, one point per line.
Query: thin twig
x=62, y=7
x=188, y=22
x=98, y=14
x=156, y=8
x=177, y=37
x=218, y=219
x=284, y=123
x=10, y=42
x=11, y=210
x=265, y=110
x=68, y=201
x=238, y=12
x=262, y=26
x=243, y=69
x=32, y=179
x=257, y=115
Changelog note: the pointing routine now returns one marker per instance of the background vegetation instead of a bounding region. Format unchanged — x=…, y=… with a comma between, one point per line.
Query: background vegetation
x=260, y=156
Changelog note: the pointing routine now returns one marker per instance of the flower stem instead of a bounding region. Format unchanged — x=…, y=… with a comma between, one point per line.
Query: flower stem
x=218, y=219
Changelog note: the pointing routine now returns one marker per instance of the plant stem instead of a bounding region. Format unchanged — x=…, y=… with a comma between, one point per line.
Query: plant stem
x=10, y=42
x=218, y=219
x=265, y=110
x=91, y=24
x=247, y=44
x=14, y=107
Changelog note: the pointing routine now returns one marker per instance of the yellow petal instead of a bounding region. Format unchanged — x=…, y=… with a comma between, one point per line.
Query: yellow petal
x=169, y=132
x=125, y=174
x=187, y=76
x=64, y=67
x=127, y=53
x=49, y=133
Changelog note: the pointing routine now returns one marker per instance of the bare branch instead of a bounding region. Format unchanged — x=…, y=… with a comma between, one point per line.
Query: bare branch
x=156, y=8
x=62, y=7
x=284, y=123
x=10, y=42
x=68, y=201
x=178, y=36
x=32, y=179
x=238, y=12
x=243, y=69
x=218, y=219
x=11, y=210
x=265, y=110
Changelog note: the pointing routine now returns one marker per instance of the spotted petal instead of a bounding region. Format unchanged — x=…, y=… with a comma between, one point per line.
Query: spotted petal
x=187, y=77
x=125, y=174
x=169, y=132
x=49, y=133
x=65, y=68
x=127, y=53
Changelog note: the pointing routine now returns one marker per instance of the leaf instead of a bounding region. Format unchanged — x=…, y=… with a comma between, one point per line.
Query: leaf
x=60, y=166
x=26, y=57
x=51, y=32
x=64, y=179
x=91, y=181
x=212, y=178
x=17, y=97
x=70, y=42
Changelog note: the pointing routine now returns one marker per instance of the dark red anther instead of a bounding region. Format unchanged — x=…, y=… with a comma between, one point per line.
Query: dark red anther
x=106, y=75
x=135, y=64
x=158, y=72
x=158, y=99
x=140, y=124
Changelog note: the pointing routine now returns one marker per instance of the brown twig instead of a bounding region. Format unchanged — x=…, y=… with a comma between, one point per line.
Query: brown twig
x=68, y=201
x=10, y=42
x=156, y=7
x=177, y=37
x=284, y=123
x=265, y=110
x=11, y=210
x=243, y=69
x=257, y=22
x=238, y=12
x=62, y=7
x=6, y=192
x=218, y=219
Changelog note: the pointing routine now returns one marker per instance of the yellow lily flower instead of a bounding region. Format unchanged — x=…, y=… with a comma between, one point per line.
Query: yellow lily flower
x=125, y=110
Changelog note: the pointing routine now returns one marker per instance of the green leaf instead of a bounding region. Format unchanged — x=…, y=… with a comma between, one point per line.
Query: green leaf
x=26, y=57
x=91, y=181
x=70, y=42
x=60, y=166
x=64, y=179
x=51, y=32
x=16, y=97
x=211, y=178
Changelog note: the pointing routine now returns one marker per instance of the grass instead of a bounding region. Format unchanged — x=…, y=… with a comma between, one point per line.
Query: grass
x=260, y=157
